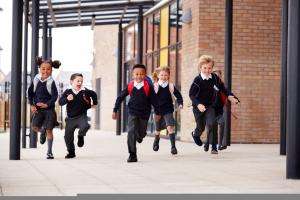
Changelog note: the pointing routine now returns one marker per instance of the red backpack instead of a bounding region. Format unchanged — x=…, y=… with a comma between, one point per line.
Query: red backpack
x=146, y=87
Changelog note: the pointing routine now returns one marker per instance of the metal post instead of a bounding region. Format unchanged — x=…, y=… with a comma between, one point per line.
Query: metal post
x=49, y=43
x=24, y=112
x=16, y=73
x=228, y=66
x=34, y=54
x=140, y=36
x=119, y=75
x=283, y=83
x=293, y=92
x=45, y=29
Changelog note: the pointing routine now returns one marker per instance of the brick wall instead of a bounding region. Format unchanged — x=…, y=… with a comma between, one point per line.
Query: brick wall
x=256, y=62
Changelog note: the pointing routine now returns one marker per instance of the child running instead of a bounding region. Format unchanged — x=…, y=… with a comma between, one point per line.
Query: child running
x=78, y=100
x=165, y=90
x=142, y=96
x=202, y=93
x=42, y=95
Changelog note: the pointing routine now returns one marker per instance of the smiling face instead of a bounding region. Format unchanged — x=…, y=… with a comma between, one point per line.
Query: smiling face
x=163, y=75
x=77, y=83
x=45, y=70
x=138, y=74
x=206, y=68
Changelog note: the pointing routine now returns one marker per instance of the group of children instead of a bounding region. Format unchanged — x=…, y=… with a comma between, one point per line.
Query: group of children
x=42, y=95
x=207, y=93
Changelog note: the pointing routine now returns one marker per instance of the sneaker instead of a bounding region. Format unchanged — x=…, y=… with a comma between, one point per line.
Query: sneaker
x=43, y=136
x=70, y=155
x=197, y=139
x=222, y=148
x=156, y=144
x=214, y=151
x=132, y=158
x=173, y=150
x=80, y=141
x=50, y=156
x=206, y=147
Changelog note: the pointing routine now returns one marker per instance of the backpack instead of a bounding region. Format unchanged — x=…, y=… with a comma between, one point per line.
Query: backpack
x=171, y=87
x=146, y=87
x=48, y=84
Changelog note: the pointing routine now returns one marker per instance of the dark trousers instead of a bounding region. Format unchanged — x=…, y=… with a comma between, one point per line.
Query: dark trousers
x=80, y=122
x=204, y=120
x=137, y=129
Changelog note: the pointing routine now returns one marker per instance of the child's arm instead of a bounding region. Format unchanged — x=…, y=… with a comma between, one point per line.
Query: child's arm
x=194, y=90
x=63, y=99
x=119, y=100
x=231, y=97
x=178, y=96
x=153, y=100
x=54, y=95
x=30, y=94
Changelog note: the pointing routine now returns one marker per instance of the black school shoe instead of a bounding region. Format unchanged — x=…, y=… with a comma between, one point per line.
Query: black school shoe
x=156, y=143
x=70, y=155
x=222, y=148
x=132, y=158
x=50, y=156
x=174, y=151
x=139, y=140
x=43, y=136
x=80, y=141
x=206, y=146
x=214, y=151
x=197, y=139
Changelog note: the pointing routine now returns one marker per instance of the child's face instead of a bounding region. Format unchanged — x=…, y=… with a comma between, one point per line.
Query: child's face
x=77, y=82
x=207, y=68
x=163, y=76
x=45, y=70
x=139, y=74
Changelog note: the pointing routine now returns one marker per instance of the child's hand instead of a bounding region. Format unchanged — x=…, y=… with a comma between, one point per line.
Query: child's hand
x=70, y=97
x=232, y=99
x=180, y=106
x=42, y=105
x=114, y=115
x=201, y=107
x=157, y=117
x=33, y=109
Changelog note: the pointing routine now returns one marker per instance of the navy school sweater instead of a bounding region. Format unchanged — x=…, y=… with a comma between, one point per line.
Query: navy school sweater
x=205, y=91
x=165, y=100
x=78, y=106
x=41, y=94
x=139, y=104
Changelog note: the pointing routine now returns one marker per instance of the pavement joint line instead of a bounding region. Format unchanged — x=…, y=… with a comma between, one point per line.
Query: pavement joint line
x=45, y=175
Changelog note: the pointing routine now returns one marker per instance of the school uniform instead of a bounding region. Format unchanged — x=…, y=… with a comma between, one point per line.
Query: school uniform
x=43, y=91
x=203, y=91
x=142, y=96
x=77, y=114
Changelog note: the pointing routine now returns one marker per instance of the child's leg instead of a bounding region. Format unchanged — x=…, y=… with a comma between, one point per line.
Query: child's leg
x=84, y=126
x=49, y=140
x=141, y=130
x=69, y=135
x=200, y=122
x=210, y=122
x=131, y=136
x=158, y=127
x=170, y=123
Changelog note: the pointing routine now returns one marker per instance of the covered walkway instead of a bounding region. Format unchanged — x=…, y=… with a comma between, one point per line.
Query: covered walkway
x=101, y=167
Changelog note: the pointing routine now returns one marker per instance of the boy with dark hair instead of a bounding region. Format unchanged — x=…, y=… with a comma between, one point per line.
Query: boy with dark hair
x=78, y=100
x=142, y=96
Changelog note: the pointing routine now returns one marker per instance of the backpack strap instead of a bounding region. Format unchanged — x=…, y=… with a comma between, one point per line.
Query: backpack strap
x=146, y=88
x=171, y=88
x=130, y=87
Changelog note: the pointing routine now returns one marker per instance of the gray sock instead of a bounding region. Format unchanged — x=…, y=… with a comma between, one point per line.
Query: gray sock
x=50, y=143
